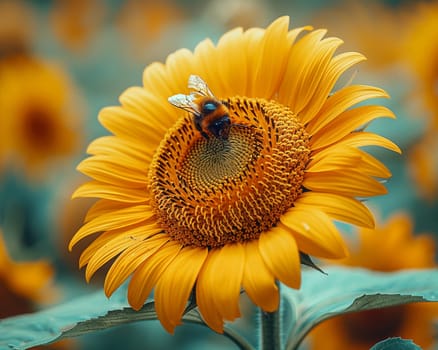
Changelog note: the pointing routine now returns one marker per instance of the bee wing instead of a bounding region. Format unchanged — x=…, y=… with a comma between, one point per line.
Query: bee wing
x=200, y=86
x=185, y=102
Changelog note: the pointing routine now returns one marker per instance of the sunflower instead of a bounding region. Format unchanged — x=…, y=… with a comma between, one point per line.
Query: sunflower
x=38, y=116
x=22, y=284
x=421, y=53
x=16, y=28
x=231, y=13
x=76, y=22
x=412, y=321
x=3, y=148
x=423, y=165
x=145, y=22
x=371, y=27
x=68, y=219
x=180, y=211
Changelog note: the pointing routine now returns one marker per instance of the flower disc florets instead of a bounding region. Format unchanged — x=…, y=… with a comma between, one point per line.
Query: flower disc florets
x=211, y=192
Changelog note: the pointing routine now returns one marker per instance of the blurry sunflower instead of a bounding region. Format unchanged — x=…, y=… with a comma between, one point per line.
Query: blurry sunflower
x=421, y=52
x=231, y=13
x=16, y=28
x=75, y=22
x=23, y=284
x=38, y=116
x=179, y=211
x=370, y=27
x=411, y=321
x=144, y=23
x=423, y=165
x=69, y=218
x=3, y=148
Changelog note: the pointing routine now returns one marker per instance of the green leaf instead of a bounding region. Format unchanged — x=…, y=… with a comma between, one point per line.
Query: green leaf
x=345, y=290
x=321, y=296
x=70, y=319
x=86, y=315
x=395, y=344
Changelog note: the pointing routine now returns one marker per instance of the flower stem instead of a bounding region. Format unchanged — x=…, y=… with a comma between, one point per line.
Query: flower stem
x=270, y=330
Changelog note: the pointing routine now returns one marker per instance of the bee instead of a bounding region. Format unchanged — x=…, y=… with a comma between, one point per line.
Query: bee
x=210, y=115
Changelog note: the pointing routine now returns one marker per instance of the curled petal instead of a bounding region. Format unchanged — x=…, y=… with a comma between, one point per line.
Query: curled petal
x=111, y=220
x=338, y=207
x=131, y=258
x=258, y=281
x=314, y=233
x=147, y=274
x=280, y=254
x=218, y=286
x=175, y=284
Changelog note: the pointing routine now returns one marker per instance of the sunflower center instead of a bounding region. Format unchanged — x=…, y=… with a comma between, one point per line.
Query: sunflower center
x=14, y=304
x=372, y=326
x=211, y=192
x=38, y=128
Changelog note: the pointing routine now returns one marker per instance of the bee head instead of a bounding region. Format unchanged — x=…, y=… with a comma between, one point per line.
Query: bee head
x=220, y=128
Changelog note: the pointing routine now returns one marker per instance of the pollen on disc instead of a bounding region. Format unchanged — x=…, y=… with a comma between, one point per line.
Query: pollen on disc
x=213, y=163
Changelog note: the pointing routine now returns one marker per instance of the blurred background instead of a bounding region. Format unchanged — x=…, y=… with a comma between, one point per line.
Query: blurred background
x=62, y=61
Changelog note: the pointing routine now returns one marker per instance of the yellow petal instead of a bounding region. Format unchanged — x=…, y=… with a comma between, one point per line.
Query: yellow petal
x=258, y=281
x=334, y=158
x=314, y=73
x=110, y=244
x=209, y=69
x=340, y=101
x=299, y=63
x=337, y=66
x=293, y=34
x=108, y=169
x=156, y=79
x=280, y=254
x=103, y=206
x=103, y=255
x=147, y=274
x=252, y=39
x=115, y=239
x=225, y=65
x=175, y=284
x=372, y=166
x=314, y=233
x=347, y=182
x=158, y=114
x=179, y=66
x=130, y=259
x=363, y=138
x=209, y=312
x=108, y=145
x=338, y=207
x=96, y=189
x=338, y=157
x=270, y=60
x=127, y=124
x=218, y=286
x=346, y=123
x=113, y=220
